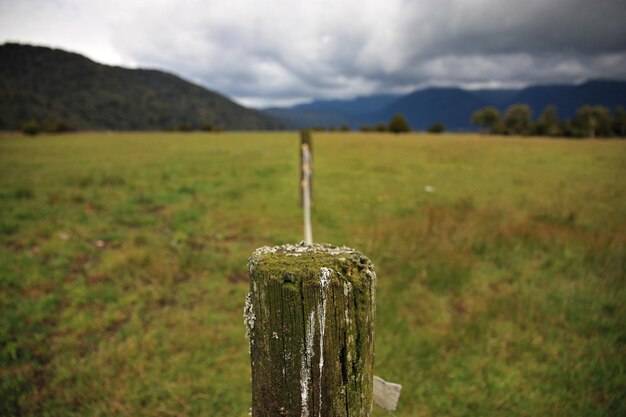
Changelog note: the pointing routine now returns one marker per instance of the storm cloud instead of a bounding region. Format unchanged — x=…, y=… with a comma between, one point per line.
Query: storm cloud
x=285, y=51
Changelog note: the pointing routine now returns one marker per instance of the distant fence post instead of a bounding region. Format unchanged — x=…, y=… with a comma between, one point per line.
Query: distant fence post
x=310, y=318
x=306, y=141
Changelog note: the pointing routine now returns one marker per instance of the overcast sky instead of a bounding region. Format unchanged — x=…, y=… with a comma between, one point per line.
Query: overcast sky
x=272, y=52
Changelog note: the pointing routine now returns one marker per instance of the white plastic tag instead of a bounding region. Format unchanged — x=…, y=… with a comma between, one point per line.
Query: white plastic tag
x=386, y=394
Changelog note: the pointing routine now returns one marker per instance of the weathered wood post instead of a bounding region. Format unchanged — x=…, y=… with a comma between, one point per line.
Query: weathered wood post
x=310, y=321
x=305, y=188
x=306, y=141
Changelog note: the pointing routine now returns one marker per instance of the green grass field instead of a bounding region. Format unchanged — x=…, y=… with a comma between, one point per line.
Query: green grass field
x=123, y=268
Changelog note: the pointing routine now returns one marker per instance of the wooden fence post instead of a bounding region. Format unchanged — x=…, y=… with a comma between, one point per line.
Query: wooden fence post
x=310, y=319
x=306, y=141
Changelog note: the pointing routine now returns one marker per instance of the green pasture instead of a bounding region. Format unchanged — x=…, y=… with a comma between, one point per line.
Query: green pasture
x=123, y=267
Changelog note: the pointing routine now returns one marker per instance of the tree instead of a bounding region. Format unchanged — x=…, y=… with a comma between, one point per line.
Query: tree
x=619, y=122
x=487, y=118
x=548, y=123
x=398, y=124
x=517, y=119
x=437, y=127
x=593, y=121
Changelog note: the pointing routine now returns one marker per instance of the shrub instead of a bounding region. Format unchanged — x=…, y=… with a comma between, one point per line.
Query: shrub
x=56, y=127
x=437, y=127
x=184, y=127
x=31, y=127
x=210, y=127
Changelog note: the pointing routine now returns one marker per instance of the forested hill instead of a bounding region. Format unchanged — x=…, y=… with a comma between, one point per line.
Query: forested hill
x=51, y=85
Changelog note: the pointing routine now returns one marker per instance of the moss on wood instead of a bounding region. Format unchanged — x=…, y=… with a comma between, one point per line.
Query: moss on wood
x=310, y=317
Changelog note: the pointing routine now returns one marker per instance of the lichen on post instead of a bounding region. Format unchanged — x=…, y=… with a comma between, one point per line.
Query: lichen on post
x=310, y=321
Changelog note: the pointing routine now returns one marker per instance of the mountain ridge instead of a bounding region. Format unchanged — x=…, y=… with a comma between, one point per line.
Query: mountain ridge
x=454, y=106
x=49, y=85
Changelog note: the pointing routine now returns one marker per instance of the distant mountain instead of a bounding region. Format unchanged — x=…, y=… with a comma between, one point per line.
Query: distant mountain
x=421, y=109
x=53, y=85
x=358, y=105
x=454, y=106
x=350, y=112
x=300, y=119
x=494, y=95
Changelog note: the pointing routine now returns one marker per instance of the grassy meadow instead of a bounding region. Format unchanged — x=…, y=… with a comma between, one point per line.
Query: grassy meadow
x=123, y=268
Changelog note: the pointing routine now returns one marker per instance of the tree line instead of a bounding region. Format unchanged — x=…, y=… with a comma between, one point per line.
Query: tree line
x=589, y=121
x=397, y=124
x=32, y=127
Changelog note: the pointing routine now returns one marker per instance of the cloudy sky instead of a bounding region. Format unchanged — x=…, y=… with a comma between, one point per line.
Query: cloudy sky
x=273, y=52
